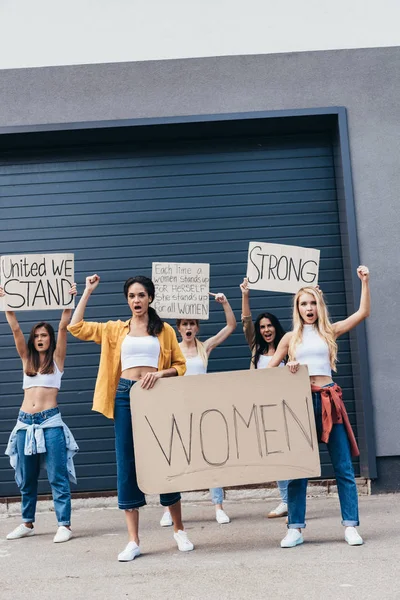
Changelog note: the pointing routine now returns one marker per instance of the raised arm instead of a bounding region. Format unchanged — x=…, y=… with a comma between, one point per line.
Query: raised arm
x=19, y=339
x=281, y=352
x=61, y=347
x=91, y=284
x=364, y=310
x=244, y=286
x=247, y=321
x=84, y=330
x=226, y=331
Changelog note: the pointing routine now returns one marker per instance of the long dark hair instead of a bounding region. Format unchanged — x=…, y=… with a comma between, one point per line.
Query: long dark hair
x=155, y=325
x=260, y=346
x=33, y=362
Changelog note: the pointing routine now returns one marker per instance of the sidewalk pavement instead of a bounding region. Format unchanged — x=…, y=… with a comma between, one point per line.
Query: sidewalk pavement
x=241, y=560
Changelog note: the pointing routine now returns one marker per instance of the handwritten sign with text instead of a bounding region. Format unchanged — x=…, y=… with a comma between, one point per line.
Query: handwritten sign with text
x=37, y=281
x=224, y=429
x=280, y=268
x=181, y=290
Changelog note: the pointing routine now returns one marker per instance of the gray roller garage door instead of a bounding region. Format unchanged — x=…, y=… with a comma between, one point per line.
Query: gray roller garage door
x=119, y=206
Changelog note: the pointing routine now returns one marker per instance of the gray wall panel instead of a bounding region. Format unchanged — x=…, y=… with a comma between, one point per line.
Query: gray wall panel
x=127, y=240
x=366, y=82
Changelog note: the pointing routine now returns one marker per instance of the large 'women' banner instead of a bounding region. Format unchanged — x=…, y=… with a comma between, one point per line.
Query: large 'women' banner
x=224, y=429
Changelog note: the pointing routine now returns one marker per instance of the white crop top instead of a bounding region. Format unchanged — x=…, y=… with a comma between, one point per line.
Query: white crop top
x=53, y=380
x=141, y=351
x=263, y=362
x=195, y=366
x=313, y=351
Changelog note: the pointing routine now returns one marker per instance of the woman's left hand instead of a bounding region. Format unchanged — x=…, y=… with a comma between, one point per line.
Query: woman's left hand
x=293, y=366
x=149, y=380
x=221, y=298
x=363, y=273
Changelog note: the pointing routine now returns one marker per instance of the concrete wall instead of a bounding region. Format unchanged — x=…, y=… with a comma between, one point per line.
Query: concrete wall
x=366, y=82
x=46, y=33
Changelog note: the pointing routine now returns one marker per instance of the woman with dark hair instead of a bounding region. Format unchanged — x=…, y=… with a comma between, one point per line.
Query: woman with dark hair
x=40, y=437
x=263, y=338
x=197, y=354
x=141, y=349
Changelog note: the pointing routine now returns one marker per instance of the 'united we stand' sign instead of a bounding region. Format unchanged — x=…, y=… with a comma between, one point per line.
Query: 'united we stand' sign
x=36, y=281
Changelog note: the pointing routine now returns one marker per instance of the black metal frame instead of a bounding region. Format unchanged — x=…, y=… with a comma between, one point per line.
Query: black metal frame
x=336, y=122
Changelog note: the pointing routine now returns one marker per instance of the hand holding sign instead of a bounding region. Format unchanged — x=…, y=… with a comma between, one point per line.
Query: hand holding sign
x=244, y=286
x=220, y=297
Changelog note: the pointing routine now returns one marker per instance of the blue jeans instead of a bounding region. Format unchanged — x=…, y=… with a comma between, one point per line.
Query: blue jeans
x=283, y=489
x=129, y=494
x=217, y=495
x=339, y=451
x=56, y=465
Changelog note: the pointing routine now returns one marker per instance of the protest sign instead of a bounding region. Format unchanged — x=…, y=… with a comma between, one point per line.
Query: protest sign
x=280, y=268
x=181, y=290
x=224, y=429
x=37, y=281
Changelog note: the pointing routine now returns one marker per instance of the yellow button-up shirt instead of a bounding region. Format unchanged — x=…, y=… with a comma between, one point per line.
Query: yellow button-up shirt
x=111, y=335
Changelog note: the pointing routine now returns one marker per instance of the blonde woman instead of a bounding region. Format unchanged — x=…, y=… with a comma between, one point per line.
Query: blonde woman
x=313, y=343
x=197, y=354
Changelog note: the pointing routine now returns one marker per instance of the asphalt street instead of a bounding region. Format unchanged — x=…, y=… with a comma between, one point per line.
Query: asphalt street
x=240, y=560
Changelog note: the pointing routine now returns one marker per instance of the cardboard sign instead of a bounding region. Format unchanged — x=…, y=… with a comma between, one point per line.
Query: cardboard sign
x=37, y=281
x=224, y=429
x=181, y=290
x=279, y=268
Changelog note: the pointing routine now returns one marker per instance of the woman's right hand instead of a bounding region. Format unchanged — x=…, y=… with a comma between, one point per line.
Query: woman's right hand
x=92, y=282
x=2, y=292
x=293, y=366
x=245, y=287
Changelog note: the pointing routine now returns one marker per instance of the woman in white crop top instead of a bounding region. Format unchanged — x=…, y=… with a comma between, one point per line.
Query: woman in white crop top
x=142, y=349
x=313, y=343
x=40, y=436
x=197, y=354
x=263, y=337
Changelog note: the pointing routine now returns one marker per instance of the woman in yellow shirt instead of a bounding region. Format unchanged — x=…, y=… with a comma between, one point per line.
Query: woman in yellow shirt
x=144, y=349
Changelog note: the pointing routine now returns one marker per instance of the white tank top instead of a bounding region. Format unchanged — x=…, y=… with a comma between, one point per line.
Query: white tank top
x=53, y=380
x=313, y=351
x=263, y=362
x=141, y=351
x=195, y=366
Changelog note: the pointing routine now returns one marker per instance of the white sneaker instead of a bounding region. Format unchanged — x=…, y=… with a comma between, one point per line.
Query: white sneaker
x=20, y=532
x=184, y=544
x=222, y=517
x=166, y=519
x=352, y=537
x=292, y=538
x=280, y=511
x=63, y=535
x=131, y=551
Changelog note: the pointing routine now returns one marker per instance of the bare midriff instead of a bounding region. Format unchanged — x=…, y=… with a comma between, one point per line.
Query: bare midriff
x=37, y=399
x=320, y=380
x=136, y=373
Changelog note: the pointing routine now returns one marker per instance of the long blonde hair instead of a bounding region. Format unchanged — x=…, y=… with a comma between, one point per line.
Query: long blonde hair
x=323, y=325
x=201, y=351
